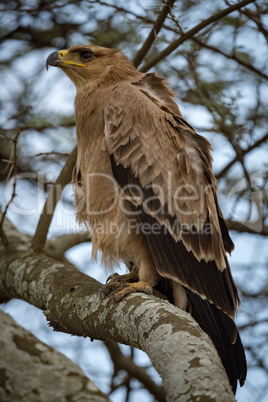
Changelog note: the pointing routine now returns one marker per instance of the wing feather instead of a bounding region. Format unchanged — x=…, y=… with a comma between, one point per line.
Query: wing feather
x=165, y=159
x=173, y=259
x=165, y=153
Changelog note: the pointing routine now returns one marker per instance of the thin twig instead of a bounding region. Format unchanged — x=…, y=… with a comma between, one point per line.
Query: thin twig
x=216, y=50
x=38, y=9
x=14, y=167
x=119, y=9
x=142, y=18
x=53, y=197
x=189, y=34
x=243, y=152
x=240, y=158
x=240, y=228
x=258, y=23
x=51, y=153
x=256, y=19
x=122, y=362
x=153, y=34
x=252, y=324
x=232, y=57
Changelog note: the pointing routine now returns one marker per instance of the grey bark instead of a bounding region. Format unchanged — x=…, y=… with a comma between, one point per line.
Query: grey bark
x=32, y=371
x=180, y=351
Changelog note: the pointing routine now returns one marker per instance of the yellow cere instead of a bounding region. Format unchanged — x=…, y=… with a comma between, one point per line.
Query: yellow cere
x=62, y=55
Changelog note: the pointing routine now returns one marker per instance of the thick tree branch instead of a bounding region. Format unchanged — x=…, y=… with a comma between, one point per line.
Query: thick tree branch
x=153, y=34
x=29, y=368
x=56, y=248
x=192, y=32
x=180, y=351
x=53, y=197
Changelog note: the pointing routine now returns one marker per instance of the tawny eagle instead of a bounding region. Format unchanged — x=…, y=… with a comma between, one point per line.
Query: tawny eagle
x=144, y=184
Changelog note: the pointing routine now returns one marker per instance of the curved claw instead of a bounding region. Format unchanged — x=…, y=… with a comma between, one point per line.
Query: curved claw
x=119, y=286
x=110, y=287
x=112, y=277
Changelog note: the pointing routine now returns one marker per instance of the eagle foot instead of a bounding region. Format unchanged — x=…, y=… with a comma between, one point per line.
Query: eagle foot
x=132, y=276
x=117, y=282
x=118, y=291
x=129, y=288
x=119, y=286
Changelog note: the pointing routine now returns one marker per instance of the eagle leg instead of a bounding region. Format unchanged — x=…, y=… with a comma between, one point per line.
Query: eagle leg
x=118, y=282
x=120, y=286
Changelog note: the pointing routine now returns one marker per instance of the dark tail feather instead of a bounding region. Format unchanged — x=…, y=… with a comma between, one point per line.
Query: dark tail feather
x=223, y=332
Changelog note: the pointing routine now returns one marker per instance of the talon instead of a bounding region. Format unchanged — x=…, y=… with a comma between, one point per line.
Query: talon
x=112, y=277
x=123, y=279
x=119, y=286
x=109, y=287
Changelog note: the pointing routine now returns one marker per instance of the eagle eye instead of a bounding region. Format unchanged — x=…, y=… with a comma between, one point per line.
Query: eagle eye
x=86, y=55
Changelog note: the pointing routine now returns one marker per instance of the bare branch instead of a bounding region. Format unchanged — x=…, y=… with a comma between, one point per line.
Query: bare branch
x=122, y=10
x=13, y=168
x=257, y=21
x=239, y=227
x=180, y=351
x=53, y=197
x=38, y=9
x=122, y=362
x=243, y=152
x=57, y=247
x=192, y=32
x=153, y=34
x=45, y=371
x=249, y=66
x=52, y=153
x=253, y=323
x=142, y=18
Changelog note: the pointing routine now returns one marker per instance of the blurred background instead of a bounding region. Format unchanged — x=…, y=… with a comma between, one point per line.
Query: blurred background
x=220, y=77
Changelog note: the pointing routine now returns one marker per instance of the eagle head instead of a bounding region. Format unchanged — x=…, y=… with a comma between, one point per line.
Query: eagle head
x=92, y=64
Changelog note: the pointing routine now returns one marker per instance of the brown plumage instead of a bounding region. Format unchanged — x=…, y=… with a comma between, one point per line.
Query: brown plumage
x=144, y=184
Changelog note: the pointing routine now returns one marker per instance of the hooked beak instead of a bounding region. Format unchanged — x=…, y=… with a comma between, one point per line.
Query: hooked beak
x=58, y=59
x=53, y=60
